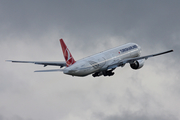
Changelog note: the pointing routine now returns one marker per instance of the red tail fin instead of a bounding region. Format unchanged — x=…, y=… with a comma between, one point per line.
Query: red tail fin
x=67, y=55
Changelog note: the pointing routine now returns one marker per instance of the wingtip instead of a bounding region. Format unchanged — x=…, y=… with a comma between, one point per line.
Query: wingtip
x=8, y=60
x=171, y=51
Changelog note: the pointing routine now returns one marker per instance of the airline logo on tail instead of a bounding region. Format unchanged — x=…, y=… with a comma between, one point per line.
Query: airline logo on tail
x=67, y=55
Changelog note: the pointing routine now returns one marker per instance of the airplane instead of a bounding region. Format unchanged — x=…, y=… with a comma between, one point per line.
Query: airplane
x=102, y=63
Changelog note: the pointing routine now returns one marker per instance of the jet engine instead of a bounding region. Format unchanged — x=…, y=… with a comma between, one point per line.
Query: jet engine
x=137, y=64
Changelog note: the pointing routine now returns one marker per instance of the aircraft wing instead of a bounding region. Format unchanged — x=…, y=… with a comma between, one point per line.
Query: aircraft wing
x=53, y=70
x=61, y=64
x=131, y=60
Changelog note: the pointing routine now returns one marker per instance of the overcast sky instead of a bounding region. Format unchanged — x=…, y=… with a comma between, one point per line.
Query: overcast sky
x=31, y=29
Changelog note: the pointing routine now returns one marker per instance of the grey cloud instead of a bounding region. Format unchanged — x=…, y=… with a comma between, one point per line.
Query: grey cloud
x=151, y=22
x=134, y=116
x=30, y=31
x=15, y=117
x=90, y=23
x=1, y=117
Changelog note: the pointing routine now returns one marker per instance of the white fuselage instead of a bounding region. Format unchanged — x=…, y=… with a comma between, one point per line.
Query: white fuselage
x=101, y=61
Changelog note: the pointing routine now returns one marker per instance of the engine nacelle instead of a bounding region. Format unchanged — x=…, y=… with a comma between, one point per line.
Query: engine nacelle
x=137, y=64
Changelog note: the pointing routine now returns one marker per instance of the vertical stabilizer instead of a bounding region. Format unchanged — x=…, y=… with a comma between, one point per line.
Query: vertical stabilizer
x=67, y=55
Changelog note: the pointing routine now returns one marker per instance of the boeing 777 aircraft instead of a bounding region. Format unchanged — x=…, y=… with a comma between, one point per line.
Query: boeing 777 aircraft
x=99, y=64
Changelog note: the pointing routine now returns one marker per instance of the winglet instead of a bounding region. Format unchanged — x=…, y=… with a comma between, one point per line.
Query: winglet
x=67, y=55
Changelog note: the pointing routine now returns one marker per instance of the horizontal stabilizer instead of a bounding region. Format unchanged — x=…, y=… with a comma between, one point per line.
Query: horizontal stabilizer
x=53, y=70
x=61, y=64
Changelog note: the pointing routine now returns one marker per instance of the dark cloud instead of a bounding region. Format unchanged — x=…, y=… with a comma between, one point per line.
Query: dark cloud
x=152, y=22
